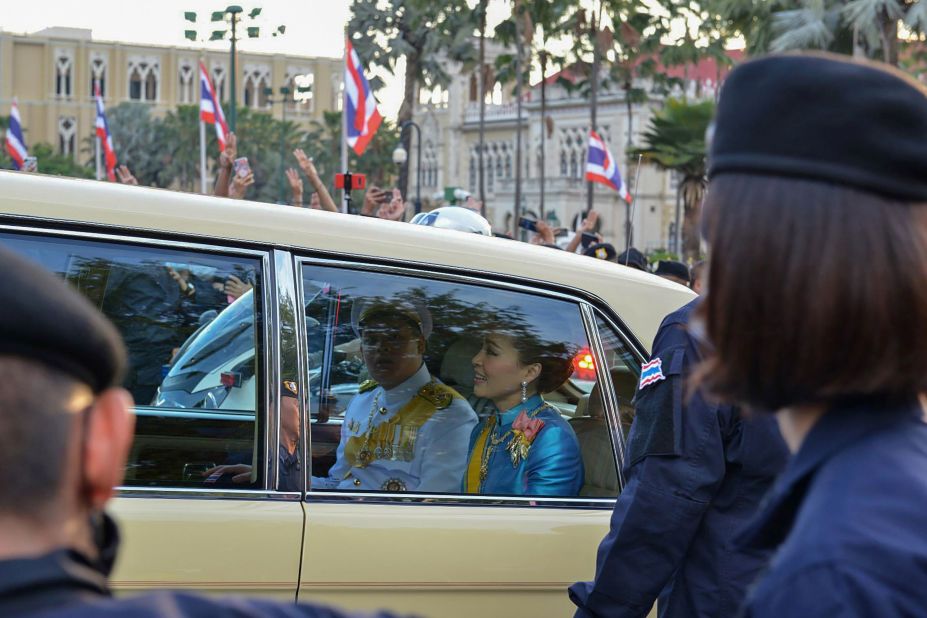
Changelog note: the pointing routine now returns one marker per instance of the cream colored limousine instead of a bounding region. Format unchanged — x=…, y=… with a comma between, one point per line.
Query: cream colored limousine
x=253, y=392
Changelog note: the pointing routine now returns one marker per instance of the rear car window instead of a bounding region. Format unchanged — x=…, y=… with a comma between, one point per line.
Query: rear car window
x=191, y=323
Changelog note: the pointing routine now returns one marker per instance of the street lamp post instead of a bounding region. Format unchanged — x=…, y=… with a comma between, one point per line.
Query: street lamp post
x=234, y=11
x=217, y=35
x=400, y=156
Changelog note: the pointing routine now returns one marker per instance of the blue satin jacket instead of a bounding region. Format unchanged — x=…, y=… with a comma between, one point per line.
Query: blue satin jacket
x=553, y=467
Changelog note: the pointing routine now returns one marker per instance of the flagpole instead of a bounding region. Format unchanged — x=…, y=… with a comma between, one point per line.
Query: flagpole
x=202, y=157
x=99, y=159
x=344, y=125
x=637, y=178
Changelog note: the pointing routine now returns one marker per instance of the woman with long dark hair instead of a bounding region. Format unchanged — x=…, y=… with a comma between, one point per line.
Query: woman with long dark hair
x=816, y=217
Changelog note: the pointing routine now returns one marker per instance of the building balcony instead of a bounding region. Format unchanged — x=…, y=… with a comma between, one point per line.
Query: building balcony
x=506, y=112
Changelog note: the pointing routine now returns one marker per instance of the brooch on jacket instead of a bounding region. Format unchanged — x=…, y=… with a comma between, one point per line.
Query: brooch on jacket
x=524, y=430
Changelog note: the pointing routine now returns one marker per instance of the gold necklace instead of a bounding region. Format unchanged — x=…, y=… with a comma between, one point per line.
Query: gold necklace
x=493, y=441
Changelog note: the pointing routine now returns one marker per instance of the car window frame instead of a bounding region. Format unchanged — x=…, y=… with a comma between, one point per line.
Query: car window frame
x=588, y=305
x=37, y=227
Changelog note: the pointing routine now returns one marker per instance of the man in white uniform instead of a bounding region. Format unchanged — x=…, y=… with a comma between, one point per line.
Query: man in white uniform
x=404, y=431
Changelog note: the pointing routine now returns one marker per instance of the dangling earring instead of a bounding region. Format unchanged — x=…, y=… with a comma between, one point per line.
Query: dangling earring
x=524, y=392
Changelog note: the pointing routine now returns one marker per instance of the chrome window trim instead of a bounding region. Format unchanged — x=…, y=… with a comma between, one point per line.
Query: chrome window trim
x=286, y=292
x=197, y=493
x=373, y=497
x=606, y=389
x=269, y=340
x=583, y=300
x=302, y=350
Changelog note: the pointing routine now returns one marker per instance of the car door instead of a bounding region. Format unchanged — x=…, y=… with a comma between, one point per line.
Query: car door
x=452, y=552
x=199, y=324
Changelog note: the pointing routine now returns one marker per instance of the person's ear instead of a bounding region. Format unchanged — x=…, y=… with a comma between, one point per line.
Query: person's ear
x=531, y=372
x=421, y=345
x=110, y=429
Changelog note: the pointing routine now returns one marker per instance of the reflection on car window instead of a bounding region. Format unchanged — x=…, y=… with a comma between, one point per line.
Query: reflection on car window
x=190, y=324
x=591, y=423
x=438, y=387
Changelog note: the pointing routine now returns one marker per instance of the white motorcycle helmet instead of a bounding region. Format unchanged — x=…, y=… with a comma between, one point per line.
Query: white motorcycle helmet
x=454, y=218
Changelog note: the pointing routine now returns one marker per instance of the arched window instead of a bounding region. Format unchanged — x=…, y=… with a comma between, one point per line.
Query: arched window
x=185, y=73
x=218, y=81
x=67, y=132
x=257, y=79
x=474, y=163
x=563, y=163
x=574, y=166
x=508, y=164
x=64, y=66
x=474, y=88
x=98, y=74
x=144, y=74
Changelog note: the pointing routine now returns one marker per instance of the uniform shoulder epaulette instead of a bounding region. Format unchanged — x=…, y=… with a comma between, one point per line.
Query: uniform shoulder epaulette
x=439, y=395
x=367, y=385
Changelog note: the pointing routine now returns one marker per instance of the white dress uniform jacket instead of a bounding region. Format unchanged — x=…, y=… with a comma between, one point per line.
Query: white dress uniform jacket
x=413, y=437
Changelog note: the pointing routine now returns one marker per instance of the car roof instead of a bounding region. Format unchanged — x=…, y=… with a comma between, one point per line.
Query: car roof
x=640, y=299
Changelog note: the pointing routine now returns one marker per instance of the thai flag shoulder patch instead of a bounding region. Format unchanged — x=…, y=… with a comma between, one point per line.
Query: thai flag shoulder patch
x=651, y=372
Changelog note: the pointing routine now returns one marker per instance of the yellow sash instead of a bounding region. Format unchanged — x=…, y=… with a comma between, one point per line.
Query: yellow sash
x=395, y=439
x=476, y=457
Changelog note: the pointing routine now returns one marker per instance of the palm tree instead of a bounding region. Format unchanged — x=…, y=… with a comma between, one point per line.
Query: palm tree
x=675, y=140
x=861, y=27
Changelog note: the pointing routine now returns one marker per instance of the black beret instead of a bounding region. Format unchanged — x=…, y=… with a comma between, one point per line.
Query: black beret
x=602, y=251
x=673, y=269
x=43, y=319
x=633, y=258
x=824, y=117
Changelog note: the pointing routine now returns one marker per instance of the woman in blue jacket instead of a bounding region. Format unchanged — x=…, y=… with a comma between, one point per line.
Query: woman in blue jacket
x=525, y=448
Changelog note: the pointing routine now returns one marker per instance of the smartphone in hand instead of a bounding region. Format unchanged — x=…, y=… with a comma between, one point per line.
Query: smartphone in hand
x=30, y=164
x=589, y=239
x=242, y=168
x=527, y=223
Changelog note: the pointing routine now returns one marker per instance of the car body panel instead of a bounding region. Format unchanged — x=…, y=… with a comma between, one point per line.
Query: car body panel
x=417, y=558
x=233, y=545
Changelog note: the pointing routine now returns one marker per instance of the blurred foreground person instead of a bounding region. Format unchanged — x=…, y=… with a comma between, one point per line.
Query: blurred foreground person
x=695, y=472
x=816, y=215
x=65, y=432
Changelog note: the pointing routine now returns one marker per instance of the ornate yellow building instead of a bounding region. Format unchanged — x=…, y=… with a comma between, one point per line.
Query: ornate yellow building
x=51, y=73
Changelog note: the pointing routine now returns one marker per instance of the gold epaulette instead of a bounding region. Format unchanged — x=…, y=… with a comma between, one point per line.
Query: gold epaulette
x=440, y=396
x=367, y=385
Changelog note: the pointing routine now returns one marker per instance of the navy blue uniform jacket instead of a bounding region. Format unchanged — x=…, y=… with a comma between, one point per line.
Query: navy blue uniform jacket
x=850, y=513
x=695, y=473
x=63, y=584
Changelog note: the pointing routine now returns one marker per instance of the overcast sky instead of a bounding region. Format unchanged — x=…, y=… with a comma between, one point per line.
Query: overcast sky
x=313, y=27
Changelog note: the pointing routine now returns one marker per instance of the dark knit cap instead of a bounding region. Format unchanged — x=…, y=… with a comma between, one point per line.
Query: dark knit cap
x=633, y=258
x=44, y=320
x=672, y=268
x=824, y=117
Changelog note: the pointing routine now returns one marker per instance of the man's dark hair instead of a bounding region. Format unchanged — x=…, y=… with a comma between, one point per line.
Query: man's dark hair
x=818, y=292
x=696, y=273
x=34, y=435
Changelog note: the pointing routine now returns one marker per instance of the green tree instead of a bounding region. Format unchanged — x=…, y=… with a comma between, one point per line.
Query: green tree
x=178, y=137
x=424, y=33
x=323, y=144
x=675, y=141
x=135, y=140
x=50, y=162
x=866, y=28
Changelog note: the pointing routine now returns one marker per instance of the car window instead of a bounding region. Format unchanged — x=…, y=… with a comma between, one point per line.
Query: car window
x=416, y=386
x=624, y=372
x=191, y=325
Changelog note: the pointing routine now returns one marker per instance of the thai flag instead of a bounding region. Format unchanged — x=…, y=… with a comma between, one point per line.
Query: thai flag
x=210, y=109
x=363, y=119
x=601, y=167
x=103, y=134
x=15, y=145
x=651, y=372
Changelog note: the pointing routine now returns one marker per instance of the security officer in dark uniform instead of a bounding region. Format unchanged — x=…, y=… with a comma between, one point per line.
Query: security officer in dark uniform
x=65, y=431
x=696, y=471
